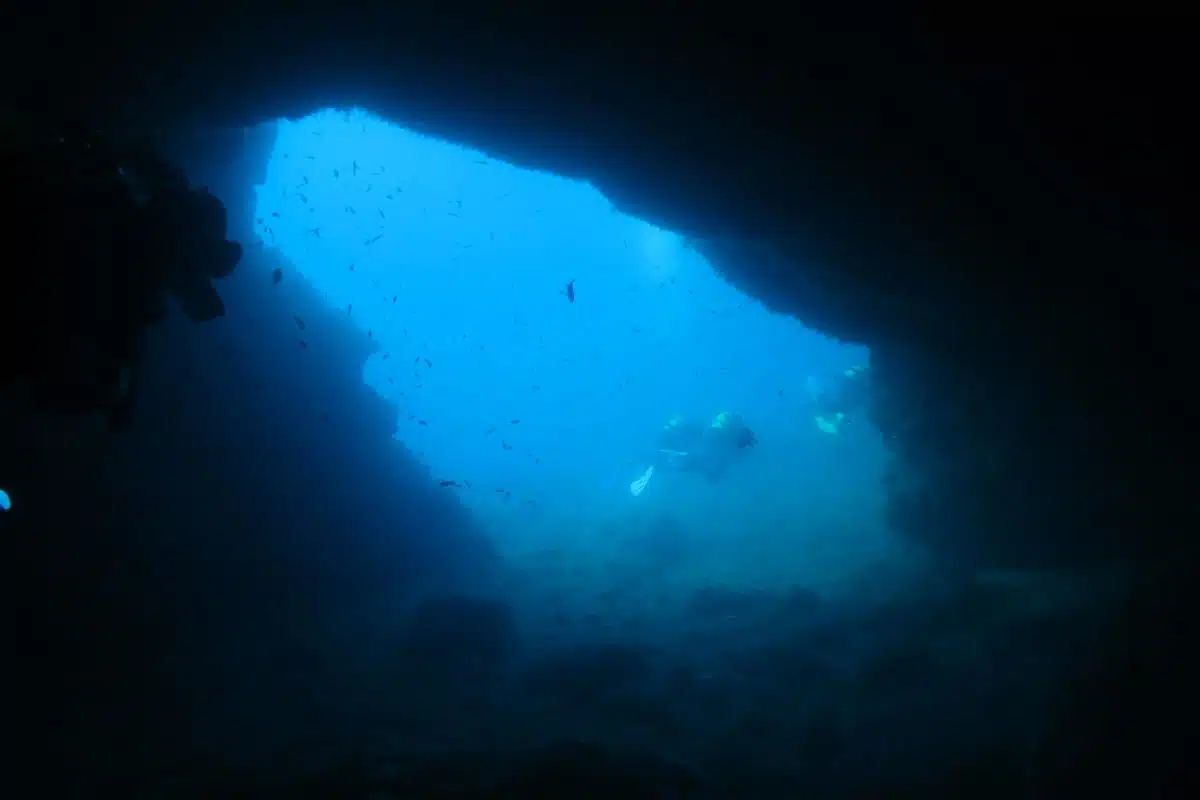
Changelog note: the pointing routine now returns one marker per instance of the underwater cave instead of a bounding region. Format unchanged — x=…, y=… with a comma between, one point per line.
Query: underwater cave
x=535, y=341
x=478, y=466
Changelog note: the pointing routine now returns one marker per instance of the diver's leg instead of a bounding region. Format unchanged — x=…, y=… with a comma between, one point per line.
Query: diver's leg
x=661, y=461
x=639, y=484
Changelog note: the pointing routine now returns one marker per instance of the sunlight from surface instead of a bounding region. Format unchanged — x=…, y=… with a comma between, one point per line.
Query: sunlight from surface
x=660, y=252
x=458, y=266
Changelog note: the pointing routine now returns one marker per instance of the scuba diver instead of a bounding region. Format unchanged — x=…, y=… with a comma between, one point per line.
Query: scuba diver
x=110, y=233
x=687, y=446
x=188, y=229
x=840, y=401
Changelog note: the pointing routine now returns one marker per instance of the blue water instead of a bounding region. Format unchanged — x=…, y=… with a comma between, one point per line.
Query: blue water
x=457, y=266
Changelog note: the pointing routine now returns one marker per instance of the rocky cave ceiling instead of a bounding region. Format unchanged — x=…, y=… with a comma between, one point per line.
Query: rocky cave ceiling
x=979, y=209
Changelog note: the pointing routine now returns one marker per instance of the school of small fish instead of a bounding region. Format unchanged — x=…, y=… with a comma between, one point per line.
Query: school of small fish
x=299, y=191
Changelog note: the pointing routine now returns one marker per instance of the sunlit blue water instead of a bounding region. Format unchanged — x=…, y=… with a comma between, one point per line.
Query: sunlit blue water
x=457, y=266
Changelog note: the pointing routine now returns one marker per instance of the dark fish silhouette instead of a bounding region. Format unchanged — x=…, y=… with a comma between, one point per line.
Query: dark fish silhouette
x=571, y=291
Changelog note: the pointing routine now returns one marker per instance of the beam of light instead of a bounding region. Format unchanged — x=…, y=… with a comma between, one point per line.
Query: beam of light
x=456, y=265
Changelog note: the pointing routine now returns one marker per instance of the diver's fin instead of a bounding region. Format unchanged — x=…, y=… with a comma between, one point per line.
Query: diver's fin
x=198, y=298
x=637, y=487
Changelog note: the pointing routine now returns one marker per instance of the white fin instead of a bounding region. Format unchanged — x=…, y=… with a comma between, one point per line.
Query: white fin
x=637, y=487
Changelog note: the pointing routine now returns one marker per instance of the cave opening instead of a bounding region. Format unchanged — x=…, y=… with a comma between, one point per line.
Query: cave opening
x=537, y=342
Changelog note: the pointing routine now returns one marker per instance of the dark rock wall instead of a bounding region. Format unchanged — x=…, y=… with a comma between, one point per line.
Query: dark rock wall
x=159, y=583
x=1006, y=221
x=994, y=220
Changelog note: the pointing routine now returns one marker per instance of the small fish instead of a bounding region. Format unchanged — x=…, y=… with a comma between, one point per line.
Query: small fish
x=571, y=291
x=276, y=276
x=514, y=422
x=299, y=321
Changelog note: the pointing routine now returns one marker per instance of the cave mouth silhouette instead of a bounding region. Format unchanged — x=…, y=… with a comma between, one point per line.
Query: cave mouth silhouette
x=535, y=340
